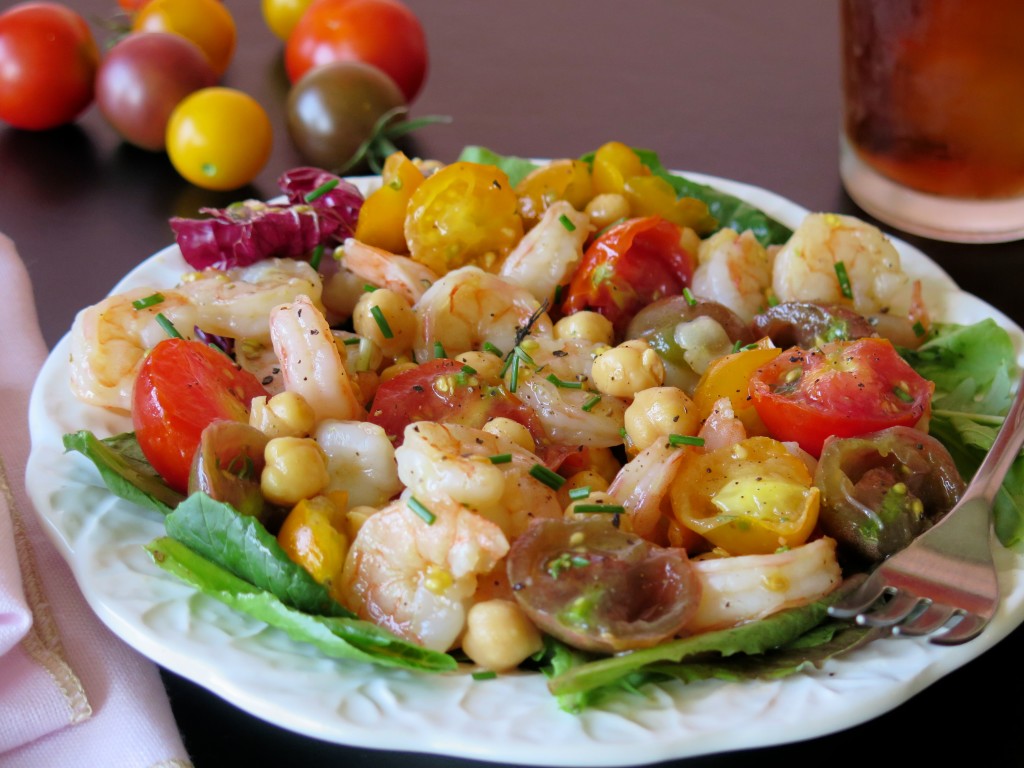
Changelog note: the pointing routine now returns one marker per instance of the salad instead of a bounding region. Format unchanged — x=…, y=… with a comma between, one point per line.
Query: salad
x=587, y=417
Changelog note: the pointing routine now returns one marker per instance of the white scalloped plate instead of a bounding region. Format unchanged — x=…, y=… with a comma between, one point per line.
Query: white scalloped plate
x=512, y=718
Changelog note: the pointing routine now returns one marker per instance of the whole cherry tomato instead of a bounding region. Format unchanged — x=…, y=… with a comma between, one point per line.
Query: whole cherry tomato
x=48, y=61
x=845, y=389
x=281, y=16
x=383, y=33
x=182, y=387
x=633, y=264
x=143, y=78
x=219, y=138
x=207, y=23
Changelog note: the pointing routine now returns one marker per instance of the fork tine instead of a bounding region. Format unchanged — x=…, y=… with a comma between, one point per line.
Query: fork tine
x=858, y=600
x=896, y=610
x=968, y=628
x=930, y=620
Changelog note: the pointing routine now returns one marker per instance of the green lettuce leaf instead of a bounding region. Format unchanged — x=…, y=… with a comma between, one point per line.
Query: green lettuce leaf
x=337, y=637
x=244, y=547
x=516, y=168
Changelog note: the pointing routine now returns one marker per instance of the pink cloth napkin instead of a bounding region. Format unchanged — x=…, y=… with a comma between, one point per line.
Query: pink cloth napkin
x=71, y=693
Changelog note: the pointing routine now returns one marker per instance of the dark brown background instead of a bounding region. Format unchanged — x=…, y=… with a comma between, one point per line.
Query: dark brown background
x=736, y=88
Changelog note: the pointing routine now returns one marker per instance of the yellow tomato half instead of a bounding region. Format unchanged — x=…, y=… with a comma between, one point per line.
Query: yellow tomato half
x=749, y=499
x=729, y=376
x=382, y=217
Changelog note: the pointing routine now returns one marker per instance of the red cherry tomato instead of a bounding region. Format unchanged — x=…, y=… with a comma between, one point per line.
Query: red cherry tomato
x=182, y=387
x=633, y=264
x=383, y=33
x=845, y=389
x=439, y=390
x=48, y=61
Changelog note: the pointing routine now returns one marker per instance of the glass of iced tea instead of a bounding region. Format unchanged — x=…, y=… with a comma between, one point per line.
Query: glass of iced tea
x=933, y=135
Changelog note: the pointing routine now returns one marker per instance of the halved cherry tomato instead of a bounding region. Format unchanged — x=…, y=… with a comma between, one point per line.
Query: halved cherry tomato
x=842, y=388
x=729, y=376
x=749, y=498
x=382, y=217
x=439, y=390
x=628, y=267
x=182, y=387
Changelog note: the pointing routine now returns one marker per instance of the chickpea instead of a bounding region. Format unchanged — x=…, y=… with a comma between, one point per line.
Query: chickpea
x=512, y=431
x=385, y=308
x=488, y=366
x=585, y=325
x=607, y=208
x=395, y=369
x=296, y=469
x=355, y=518
x=604, y=462
x=658, y=412
x=499, y=635
x=286, y=414
x=587, y=478
x=627, y=369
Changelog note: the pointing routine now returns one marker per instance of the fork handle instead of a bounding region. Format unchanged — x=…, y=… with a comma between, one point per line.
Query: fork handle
x=989, y=477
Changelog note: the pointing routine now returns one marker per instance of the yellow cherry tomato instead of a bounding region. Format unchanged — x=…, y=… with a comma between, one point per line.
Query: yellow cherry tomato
x=219, y=138
x=207, y=23
x=314, y=536
x=653, y=196
x=729, y=376
x=567, y=180
x=615, y=162
x=465, y=213
x=382, y=217
x=750, y=498
x=281, y=16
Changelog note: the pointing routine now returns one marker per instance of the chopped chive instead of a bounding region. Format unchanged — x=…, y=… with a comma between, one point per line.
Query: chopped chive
x=622, y=433
x=688, y=295
x=439, y=350
x=322, y=190
x=579, y=493
x=469, y=369
x=382, y=323
x=168, y=326
x=589, y=405
x=365, y=353
x=773, y=300
x=367, y=288
x=736, y=346
x=351, y=341
x=919, y=329
x=488, y=347
x=521, y=353
x=487, y=674
x=564, y=384
x=685, y=440
x=611, y=509
x=152, y=300
x=420, y=509
x=500, y=458
x=558, y=294
x=567, y=223
x=844, y=280
x=552, y=480
x=314, y=259
x=513, y=383
x=903, y=394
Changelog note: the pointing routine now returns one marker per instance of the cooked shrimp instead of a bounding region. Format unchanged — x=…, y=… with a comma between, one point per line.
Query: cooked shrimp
x=807, y=267
x=418, y=579
x=733, y=270
x=360, y=461
x=560, y=409
x=642, y=483
x=406, y=277
x=550, y=252
x=721, y=428
x=237, y=302
x=452, y=460
x=110, y=339
x=258, y=358
x=469, y=307
x=749, y=587
x=310, y=361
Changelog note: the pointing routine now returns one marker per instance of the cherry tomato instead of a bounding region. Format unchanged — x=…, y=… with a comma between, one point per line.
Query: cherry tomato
x=601, y=589
x=729, y=376
x=207, y=23
x=383, y=33
x=560, y=180
x=333, y=109
x=219, y=138
x=131, y=5
x=228, y=464
x=465, y=213
x=383, y=213
x=281, y=16
x=182, y=387
x=143, y=78
x=633, y=264
x=748, y=499
x=439, y=390
x=48, y=61
x=842, y=388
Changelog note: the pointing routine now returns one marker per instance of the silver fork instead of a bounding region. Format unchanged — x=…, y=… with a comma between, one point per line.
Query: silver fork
x=946, y=576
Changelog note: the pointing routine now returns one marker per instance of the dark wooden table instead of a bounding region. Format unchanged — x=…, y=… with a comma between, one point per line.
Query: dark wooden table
x=736, y=88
